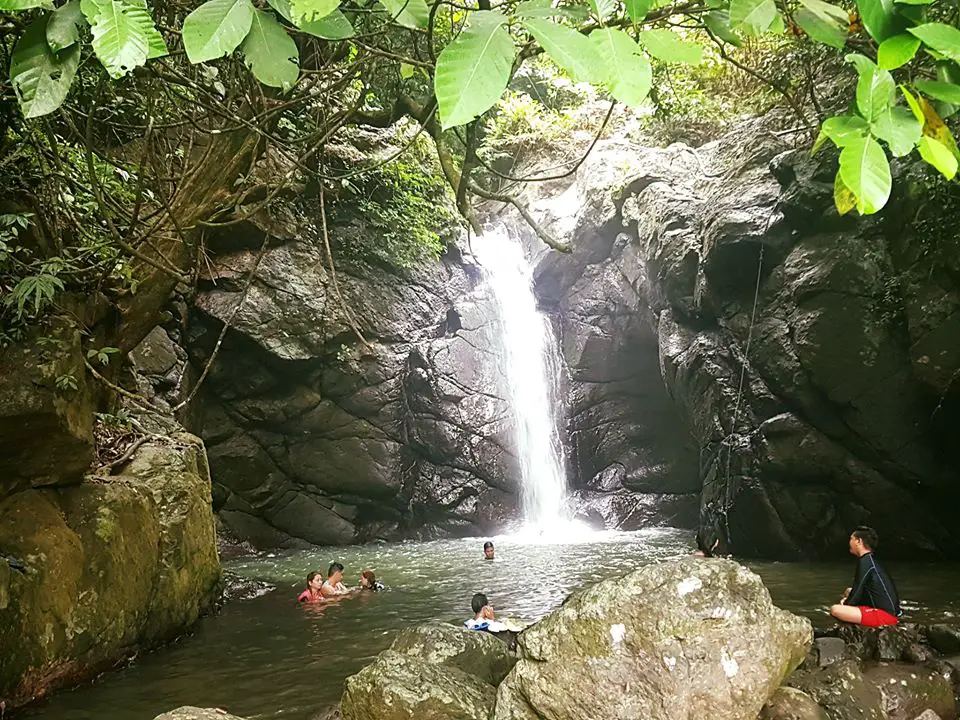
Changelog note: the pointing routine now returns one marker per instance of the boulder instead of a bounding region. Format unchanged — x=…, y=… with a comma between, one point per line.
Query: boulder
x=676, y=640
x=842, y=691
x=433, y=672
x=908, y=690
x=944, y=638
x=194, y=713
x=112, y=565
x=789, y=703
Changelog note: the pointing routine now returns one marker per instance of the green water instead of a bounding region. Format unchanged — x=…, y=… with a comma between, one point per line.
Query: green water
x=269, y=658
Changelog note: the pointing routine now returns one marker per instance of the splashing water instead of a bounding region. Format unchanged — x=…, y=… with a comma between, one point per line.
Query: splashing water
x=531, y=365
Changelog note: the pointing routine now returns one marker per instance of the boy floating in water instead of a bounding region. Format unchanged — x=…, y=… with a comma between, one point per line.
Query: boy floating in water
x=484, y=618
x=312, y=594
x=872, y=601
x=488, y=551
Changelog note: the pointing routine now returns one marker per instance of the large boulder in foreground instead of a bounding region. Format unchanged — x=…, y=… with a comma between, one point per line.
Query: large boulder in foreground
x=433, y=672
x=194, y=713
x=112, y=565
x=680, y=640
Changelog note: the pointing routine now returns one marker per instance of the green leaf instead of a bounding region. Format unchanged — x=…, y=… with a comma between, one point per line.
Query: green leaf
x=473, y=70
x=879, y=18
x=64, y=25
x=718, y=22
x=40, y=78
x=334, y=26
x=270, y=53
x=865, y=171
x=571, y=50
x=637, y=9
x=899, y=129
x=842, y=197
x=948, y=92
x=914, y=105
x=913, y=2
x=823, y=22
x=667, y=46
x=409, y=13
x=18, y=5
x=629, y=75
x=302, y=11
x=897, y=51
x=406, y=71
x=603, y=8
x=122, y=35
x=216, y=28
x=944, y=39
x=843, y=129
x=756, y=14
x=938, y=155
x=876, y=90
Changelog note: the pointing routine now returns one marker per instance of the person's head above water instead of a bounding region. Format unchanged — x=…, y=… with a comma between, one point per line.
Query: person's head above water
x=314, y=580
x=335, y=573
x=488, y=550
x=481, y=606
x=368, y=580
x=863, y=540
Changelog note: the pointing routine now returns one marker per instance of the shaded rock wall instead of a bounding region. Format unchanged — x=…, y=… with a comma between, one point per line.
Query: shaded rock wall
x=111, y=565
x=317, y=436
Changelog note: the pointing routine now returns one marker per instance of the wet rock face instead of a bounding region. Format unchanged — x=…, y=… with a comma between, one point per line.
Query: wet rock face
x=682, y=639
x=314, y=435
x=109, y=566
x=727, y=334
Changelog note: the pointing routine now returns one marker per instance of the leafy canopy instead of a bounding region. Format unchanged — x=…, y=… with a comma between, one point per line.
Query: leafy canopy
x=474, y=49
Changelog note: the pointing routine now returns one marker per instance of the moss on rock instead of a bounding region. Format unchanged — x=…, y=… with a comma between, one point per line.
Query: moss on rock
x=112, y=565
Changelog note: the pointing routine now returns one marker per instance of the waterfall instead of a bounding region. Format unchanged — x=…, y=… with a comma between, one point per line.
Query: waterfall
x=530, y=362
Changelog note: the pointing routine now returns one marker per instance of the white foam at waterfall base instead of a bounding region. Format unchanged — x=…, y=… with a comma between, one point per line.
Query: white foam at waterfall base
x=530, y=363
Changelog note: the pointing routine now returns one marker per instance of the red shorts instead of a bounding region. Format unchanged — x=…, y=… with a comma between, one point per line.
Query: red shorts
x=875, y=617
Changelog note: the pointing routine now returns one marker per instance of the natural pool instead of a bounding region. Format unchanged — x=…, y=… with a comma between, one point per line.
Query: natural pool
x=269, y=658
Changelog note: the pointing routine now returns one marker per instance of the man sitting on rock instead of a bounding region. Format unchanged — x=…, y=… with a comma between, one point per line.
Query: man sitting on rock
x=484, y=618
x=872, y=601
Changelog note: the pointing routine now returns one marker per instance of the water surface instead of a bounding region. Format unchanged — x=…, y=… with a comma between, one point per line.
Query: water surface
x=269, y=658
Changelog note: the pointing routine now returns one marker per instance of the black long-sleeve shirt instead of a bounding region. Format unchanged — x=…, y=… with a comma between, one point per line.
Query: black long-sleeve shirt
x=872, y=587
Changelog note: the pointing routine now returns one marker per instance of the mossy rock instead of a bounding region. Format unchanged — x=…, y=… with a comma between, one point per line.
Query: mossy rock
x=112, y=565
x=194, y=713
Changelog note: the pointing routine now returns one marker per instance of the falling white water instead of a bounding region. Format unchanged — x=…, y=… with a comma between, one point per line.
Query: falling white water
x=531, y=365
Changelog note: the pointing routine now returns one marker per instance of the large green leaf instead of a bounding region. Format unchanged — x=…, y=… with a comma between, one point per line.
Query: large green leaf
x=897, y=51
x=216, y=28
x=629, y=75
x=473, y=70
x=18, y=5
x=122, y=35
x=637, y=9
x=944, y=39
x=718, y=22
x=409, y=13
x=876, y=91
x=842, y=197
x=571, y=50
x=334, y=26
x=865, y=171
x=755, y=14
x=948, y=92
x=879, y=18
x=270, y=53
x=40, y=78
x=823, y=22
x=842, y=130
x=303, y=11
x=899, y=129
x=63, y=28
x=938, y=155
x=667, y=46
